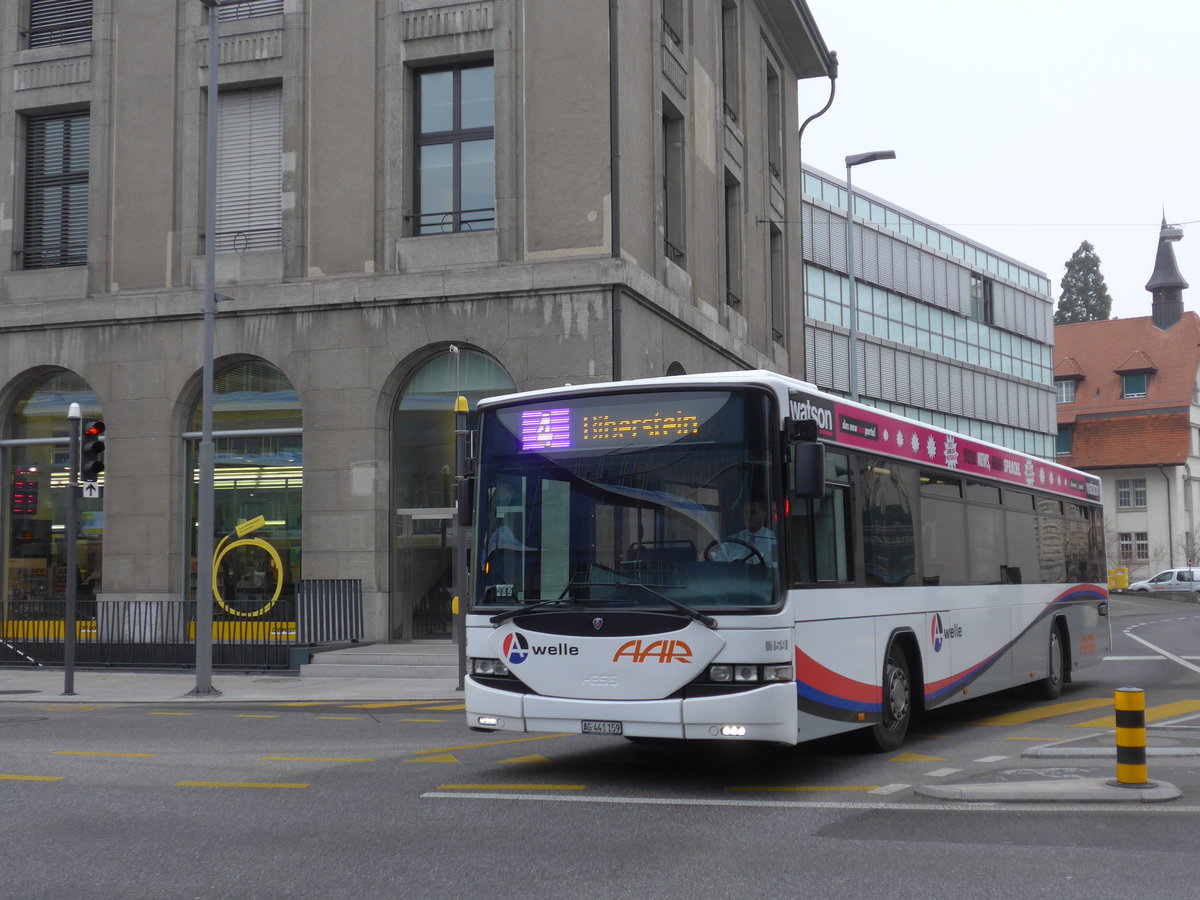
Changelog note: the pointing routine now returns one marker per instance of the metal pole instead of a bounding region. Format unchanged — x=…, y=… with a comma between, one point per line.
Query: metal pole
x=207, y=455
x=853, y=285
x=72, y=537
x=460, y=532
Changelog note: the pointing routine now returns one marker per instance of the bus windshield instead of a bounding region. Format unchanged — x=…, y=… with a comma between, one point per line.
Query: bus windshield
x=649, y=499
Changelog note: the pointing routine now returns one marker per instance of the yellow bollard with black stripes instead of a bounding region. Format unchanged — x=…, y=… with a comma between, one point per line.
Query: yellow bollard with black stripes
x=1130, y=705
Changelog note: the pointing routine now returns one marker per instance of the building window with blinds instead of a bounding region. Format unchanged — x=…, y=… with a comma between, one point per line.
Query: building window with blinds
x=232, y=10
x=456, y=150
x=56, y=190
x=249, y=213
x=54, y=22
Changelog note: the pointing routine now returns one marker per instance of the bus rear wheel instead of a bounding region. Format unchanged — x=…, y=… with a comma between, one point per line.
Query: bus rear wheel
x=889, y=732
x=1050, y=687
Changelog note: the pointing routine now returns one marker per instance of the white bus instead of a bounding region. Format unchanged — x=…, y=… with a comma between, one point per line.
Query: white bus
x=624, y=582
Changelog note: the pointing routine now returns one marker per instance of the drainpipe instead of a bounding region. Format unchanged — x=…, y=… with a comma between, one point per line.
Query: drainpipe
x=1170, y=530
x=614, y=193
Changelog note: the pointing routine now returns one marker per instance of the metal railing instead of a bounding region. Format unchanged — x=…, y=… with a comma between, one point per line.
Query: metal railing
x=142, y=633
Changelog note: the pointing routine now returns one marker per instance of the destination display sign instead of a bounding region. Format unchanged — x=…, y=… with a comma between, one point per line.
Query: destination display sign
x=609, y=422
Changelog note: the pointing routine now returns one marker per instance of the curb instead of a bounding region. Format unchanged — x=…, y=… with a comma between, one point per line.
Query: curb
x=1075, y=790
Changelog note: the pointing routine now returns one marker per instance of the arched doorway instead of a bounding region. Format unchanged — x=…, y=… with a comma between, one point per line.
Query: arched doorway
x=34, y=456
x=258, y=471
x=423, y=488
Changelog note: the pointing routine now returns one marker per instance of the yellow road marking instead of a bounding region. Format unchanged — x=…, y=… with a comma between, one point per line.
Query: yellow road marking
x=512, y=787
x=254, y=716
x=535, y=758
x=31, y=777
x=100, y=753
x=916, y=757
x=168, y=714
x=317, y=759
x=239, y=784
x=451, y=708
x=813, y=788
x=438, y=758
x=1025, y=716
x=74, y=707
x=1024, y=739
x=305, y=703
x=431, y=721
x=390, y=704
x=342, y=718
x=543, y=737
x=1153, y=714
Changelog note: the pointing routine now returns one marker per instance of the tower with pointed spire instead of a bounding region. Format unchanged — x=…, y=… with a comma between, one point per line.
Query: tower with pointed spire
x=1166, y=285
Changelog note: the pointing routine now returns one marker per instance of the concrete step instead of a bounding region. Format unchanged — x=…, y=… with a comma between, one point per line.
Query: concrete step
x=330, y=670
x=385, y=661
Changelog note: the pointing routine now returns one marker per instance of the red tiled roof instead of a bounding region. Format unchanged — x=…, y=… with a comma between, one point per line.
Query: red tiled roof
x=1099, y=349
x=1136, y=362
x=1146, y=440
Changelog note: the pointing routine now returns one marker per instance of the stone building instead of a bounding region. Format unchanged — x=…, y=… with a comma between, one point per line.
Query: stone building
x=560, y=190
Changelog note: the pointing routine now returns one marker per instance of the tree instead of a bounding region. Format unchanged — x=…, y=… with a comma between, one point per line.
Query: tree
x=1084, y=296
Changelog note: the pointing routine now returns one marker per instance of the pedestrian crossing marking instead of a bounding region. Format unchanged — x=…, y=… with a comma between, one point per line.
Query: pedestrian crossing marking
x=1153, y=714
x=1037, y=713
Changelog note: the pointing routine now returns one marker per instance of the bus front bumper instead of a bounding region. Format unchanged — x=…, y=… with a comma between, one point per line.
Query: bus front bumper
x=767, y=713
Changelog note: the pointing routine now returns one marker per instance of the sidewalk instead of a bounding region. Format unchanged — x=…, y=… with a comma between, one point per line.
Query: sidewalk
x=39, y=685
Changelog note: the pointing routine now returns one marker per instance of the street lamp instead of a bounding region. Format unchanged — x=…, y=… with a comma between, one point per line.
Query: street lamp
x=206, y=457
x=851, y=161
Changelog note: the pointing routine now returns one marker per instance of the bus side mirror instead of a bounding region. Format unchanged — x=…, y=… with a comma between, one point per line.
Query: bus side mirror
x=808, y=470
x=466, y=501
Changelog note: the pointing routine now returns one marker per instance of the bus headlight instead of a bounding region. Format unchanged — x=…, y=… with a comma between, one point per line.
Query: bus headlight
x=489, y=667
x=721, y=673
x=750, y=673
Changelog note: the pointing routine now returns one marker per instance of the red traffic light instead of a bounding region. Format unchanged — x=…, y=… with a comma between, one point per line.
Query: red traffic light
x=91, y=450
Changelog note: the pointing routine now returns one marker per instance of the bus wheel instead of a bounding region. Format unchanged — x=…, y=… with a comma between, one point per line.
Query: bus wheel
x=888, y=733
x=1050, y=687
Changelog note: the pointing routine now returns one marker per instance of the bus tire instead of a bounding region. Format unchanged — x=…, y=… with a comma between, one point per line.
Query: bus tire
x=1050, y=687
x=889, y=732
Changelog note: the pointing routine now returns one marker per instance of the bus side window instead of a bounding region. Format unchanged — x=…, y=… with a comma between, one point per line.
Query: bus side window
x=819, y=538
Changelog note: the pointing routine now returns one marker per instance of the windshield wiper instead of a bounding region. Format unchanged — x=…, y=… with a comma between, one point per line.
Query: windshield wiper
x=682, y=607
x=516, y=611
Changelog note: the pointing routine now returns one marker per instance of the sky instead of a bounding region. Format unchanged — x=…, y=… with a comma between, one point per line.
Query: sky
x=1028, y=126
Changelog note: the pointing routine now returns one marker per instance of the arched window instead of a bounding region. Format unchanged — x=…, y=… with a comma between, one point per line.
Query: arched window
x=259, y=464
x=34, y=457
x=423, y=486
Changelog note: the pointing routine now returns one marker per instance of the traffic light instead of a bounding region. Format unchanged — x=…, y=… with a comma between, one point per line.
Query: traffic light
x=91, y=450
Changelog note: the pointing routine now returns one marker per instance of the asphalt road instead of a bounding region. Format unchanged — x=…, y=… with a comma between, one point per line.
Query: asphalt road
x=379, y=799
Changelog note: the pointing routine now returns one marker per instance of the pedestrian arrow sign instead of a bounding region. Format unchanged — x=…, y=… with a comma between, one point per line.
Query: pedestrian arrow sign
x=90, y=490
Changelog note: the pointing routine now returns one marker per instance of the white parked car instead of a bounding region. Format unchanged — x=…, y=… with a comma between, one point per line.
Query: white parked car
x=1170, y=580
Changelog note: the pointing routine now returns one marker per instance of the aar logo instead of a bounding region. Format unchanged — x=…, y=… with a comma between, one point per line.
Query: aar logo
x=516, y=648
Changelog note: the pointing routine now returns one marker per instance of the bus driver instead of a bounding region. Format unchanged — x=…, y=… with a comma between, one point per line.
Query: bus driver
x=755, y=544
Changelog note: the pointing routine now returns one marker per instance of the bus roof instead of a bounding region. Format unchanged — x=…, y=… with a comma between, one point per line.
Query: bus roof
x=845, y=423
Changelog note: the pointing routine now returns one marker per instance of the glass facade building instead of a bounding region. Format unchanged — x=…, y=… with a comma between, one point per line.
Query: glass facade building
x=949, y=332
